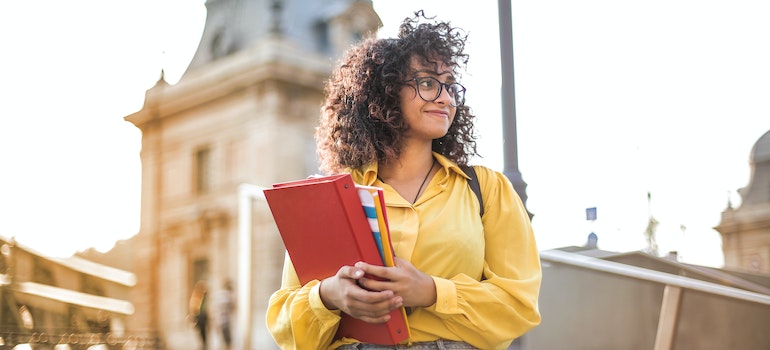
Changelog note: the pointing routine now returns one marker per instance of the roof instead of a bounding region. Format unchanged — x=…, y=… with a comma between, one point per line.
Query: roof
x=81, y=265
x=236, y=25
x=75, y=298
x=761, y=150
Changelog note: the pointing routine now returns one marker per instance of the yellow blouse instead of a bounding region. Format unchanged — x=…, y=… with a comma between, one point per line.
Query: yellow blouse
x=486, y=270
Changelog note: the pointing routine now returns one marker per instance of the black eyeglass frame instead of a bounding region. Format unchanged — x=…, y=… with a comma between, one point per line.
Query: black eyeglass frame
x=454, y=101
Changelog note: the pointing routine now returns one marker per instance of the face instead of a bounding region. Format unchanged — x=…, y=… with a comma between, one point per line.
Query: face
x=427, y=120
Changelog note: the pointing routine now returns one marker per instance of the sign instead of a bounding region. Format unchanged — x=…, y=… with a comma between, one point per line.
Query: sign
x=591, y=214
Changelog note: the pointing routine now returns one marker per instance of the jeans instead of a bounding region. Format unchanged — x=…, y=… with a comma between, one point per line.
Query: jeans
x=430, y=345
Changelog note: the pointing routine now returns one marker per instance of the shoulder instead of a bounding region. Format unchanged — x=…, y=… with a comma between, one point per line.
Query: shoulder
x=493, y=183
x=488, y=175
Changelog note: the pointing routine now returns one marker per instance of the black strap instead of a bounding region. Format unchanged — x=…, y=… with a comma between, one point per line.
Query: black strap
x=475, y=186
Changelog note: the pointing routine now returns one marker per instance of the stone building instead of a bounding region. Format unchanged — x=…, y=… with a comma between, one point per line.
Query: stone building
x=746, y=230
x=68, y=302
x=243, y=113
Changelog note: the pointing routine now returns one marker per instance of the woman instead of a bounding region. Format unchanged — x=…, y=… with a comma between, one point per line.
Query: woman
x=395, y=118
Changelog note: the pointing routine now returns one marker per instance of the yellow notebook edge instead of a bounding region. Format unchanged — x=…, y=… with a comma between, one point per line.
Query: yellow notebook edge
x=386, y=246
x=384, y=231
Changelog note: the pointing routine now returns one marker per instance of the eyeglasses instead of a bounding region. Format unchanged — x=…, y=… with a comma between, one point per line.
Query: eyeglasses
x=429, y=89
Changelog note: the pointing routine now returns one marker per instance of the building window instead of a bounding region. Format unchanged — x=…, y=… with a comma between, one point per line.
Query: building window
x=200, y=270
x=91, y=286
x=42, y=274
x=357, y=36
x=203, y=171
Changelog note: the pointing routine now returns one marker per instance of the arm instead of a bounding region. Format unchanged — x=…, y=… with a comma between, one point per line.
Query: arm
x=296, y=316
x=453, y=300
x=307, y=316
x=504, y=303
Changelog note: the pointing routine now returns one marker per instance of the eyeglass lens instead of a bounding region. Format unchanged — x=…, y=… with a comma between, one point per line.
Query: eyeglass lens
x=429, y=89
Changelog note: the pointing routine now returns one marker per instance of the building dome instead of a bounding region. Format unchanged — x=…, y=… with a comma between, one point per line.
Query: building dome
x=761, y=151
x=758, y=190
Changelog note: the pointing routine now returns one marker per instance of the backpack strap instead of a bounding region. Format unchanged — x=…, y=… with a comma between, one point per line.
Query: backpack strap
x=474, y=184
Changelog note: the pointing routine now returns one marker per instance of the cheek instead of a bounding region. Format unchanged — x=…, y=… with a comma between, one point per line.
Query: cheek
x=407, y=95
x=410, y=102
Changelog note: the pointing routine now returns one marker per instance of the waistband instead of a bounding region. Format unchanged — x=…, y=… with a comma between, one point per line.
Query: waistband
x=428, y=345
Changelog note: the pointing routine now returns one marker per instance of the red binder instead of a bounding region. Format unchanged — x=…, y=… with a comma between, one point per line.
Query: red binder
x=324, y=227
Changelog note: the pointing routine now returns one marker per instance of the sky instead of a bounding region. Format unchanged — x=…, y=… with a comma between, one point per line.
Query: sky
x=614, y=100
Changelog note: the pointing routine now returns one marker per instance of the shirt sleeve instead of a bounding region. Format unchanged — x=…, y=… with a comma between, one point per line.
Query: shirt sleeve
x=296, y=316
x=504, y=304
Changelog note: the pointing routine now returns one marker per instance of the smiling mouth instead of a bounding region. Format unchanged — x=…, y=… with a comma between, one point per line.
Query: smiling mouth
x=439, y=113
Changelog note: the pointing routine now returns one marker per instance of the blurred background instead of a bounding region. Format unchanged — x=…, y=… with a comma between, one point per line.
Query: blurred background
x=613, y=100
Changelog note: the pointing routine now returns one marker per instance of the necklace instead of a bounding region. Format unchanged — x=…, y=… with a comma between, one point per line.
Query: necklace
x=424, y=180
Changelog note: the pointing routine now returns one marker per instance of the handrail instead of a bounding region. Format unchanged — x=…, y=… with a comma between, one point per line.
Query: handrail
x=651, y=275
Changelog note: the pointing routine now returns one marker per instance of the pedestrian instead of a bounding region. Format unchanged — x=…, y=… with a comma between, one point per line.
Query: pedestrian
x=198, y=311
x=225, y=307
x=395, y=117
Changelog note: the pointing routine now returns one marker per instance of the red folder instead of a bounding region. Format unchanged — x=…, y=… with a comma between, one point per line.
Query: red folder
x=324, y=227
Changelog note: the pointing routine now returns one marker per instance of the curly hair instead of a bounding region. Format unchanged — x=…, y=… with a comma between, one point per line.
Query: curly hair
x=361, y=119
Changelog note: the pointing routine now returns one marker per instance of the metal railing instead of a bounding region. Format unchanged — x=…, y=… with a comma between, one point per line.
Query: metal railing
x=672, y=293
x=653, y=276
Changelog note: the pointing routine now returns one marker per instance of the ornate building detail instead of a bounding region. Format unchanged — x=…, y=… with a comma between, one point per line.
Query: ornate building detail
x=746, y=230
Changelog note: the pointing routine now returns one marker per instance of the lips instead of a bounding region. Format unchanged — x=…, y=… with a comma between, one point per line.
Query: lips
x=438, y=113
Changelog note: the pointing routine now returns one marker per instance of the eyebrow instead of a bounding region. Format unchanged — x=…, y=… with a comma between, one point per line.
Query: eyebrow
x=432, y=72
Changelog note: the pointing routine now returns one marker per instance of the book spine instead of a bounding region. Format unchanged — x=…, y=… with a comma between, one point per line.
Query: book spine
x=359, y=223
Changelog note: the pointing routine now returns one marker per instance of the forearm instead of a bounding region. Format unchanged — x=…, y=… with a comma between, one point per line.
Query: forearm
x=484, y=314
x=296, y=318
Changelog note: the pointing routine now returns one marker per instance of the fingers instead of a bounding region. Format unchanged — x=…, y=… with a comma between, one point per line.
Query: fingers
x=371, y=292
x=386, y=273
x=414, y=286
x=351, y=272
x=373, y=307
x=333, y=290
x=343, y=292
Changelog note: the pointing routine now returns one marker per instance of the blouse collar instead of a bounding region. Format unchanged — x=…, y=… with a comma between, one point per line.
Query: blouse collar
x=368, y=174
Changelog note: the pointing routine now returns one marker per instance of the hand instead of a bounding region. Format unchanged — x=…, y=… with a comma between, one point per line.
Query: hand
x=415, y=287
x=342, y=292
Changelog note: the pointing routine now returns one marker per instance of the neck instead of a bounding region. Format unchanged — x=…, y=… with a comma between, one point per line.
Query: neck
x=410, y=174
x=412, y=163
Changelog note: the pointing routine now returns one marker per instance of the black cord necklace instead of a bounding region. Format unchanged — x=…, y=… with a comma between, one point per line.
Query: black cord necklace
x=424, y=180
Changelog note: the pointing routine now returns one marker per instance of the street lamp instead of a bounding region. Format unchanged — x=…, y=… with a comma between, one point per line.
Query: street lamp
x=510, y=142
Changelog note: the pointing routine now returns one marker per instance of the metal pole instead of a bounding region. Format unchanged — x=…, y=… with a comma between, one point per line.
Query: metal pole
x=510, y=142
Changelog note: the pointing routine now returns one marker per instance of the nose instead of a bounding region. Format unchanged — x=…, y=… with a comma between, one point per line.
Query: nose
x=443, y=95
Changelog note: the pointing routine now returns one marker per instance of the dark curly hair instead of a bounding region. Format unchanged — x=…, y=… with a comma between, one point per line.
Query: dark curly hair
x=361, y=118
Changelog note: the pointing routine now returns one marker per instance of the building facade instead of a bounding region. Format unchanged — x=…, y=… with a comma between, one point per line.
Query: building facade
x=69, y=302
x=244, y=112
x=746, y=230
